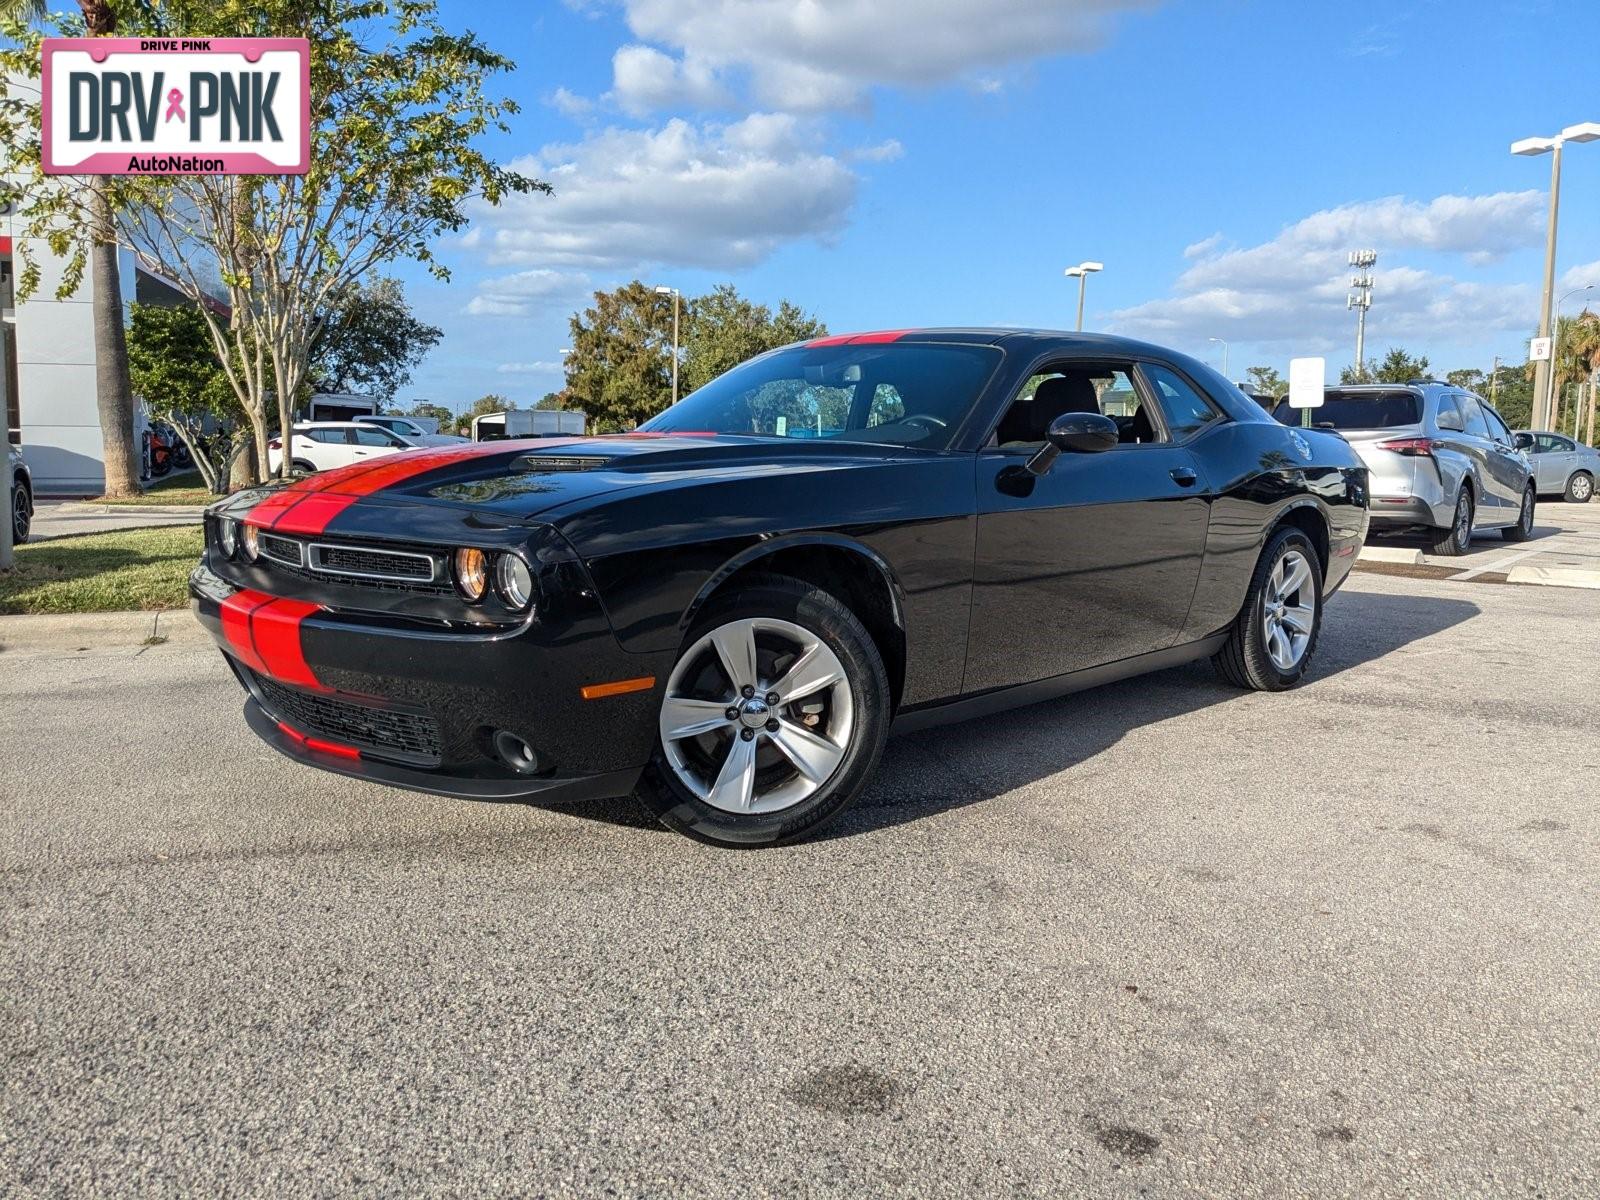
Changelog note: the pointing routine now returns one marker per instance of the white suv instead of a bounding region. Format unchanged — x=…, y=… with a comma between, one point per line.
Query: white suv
x=322, y=445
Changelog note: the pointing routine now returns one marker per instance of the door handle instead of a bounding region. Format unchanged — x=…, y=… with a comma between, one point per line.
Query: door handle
x=1184, y=476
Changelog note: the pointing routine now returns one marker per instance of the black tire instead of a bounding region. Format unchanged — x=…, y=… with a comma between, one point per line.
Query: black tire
x=1523, y=529
x=1580, y=488
x=301, y=465
x=1244, y=660
x=1457, y=538
x=821, y=614
x=21, y=513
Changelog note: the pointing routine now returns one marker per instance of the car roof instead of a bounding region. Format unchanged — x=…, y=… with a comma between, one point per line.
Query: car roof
x=328, y=424
x=1010, y=337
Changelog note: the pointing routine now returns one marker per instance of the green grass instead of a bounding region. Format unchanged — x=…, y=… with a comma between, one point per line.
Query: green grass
x=183, y=487
x=103, y=572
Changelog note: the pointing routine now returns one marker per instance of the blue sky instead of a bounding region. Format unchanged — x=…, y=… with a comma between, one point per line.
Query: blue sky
x=916, y=162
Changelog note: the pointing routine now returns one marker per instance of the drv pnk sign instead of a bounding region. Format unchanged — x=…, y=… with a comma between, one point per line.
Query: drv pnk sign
x=176, y=106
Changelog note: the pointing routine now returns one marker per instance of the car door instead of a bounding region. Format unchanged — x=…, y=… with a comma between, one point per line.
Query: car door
x=1500, y=475
x=1556, y=462
x=1097, y=559
x=369, y=441
x=1507, y=466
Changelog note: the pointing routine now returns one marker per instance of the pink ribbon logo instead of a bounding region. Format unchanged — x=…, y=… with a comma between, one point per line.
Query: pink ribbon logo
x=175, y=105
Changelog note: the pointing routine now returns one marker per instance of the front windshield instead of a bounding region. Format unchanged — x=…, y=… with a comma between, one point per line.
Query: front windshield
x=899, y=394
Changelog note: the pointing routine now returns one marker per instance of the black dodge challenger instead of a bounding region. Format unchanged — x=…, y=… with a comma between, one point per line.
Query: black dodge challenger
x=728, y=611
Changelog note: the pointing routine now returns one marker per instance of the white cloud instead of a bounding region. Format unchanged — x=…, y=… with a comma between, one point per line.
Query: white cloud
x=529, y=368
x=885, y=151
x=813, y=55
x=525, y=293
x=570, y=104
x=1580, y=277
x=644, y=79
x=1292, y=289
x=714, y=196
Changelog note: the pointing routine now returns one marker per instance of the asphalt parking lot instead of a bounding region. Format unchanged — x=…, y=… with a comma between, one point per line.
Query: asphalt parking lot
x=1163, y=938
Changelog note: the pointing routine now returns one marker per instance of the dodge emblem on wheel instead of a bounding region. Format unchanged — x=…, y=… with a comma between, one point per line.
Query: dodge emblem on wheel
x=728, y=611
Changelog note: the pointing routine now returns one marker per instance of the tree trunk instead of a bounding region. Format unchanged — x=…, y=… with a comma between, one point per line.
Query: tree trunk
x=244, y=470
x=113, y=391
x=1593, y=387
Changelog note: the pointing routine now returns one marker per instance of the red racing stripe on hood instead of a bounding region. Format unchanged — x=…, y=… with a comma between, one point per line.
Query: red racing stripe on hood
x=860, y=339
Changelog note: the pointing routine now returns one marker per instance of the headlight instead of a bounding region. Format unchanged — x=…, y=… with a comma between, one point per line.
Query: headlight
x=514, y=581
x=472, y=573
x=227, y=536
x=250, y=540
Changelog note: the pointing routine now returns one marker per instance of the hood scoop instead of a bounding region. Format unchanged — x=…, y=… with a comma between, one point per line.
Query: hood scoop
x=538, y=464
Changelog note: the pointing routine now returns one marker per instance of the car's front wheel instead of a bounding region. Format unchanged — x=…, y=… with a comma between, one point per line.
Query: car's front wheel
x=773, y=717
x=1275, y=634
x=1580, y=488
x=21, y=513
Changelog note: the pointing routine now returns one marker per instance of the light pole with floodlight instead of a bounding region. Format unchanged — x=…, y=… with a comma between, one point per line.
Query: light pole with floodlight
x=1224, y=346
x=1082, y=271
x=676, y=296
x=1587, y=131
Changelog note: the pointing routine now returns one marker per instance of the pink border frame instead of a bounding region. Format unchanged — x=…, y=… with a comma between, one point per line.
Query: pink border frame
x=236, y=162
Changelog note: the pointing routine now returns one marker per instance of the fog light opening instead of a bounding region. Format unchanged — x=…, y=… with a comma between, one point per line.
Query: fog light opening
x=515, y=752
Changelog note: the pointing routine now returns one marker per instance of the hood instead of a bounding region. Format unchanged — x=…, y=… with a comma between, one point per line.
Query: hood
x=522, y=479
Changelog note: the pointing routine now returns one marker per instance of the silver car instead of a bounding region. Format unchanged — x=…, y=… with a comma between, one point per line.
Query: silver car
x=1441, y=459
x=1561, y=466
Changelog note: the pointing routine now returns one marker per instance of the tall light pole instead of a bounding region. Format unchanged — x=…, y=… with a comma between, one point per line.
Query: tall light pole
x=1082, y=271
x=1224, y=346
x=676, y=297
x=1361, y=300
x=1588, y=131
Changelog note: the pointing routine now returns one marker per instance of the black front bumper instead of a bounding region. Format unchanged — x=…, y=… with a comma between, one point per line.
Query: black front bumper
x=434, y=782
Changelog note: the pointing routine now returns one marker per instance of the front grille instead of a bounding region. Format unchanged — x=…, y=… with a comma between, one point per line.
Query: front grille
x=380, y=564
x=281, y=549
x=414, y=735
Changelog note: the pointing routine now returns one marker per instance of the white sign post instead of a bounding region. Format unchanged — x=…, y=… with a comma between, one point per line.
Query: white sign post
x=1539, y=350
x=1308, y=380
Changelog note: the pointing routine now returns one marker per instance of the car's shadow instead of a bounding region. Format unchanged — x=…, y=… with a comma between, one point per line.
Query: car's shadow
x=956, y=765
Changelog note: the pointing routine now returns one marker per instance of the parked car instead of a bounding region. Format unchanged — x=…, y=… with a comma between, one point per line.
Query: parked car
x=1561, y=466
x=415, y=431
x=1442, y=459
x=729, y=617
x=322, y=445
x=21, y=499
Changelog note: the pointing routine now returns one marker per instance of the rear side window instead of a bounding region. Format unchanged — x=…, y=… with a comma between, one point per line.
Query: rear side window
x=1357, y=410
x=1497, y=427
x=1185, y=408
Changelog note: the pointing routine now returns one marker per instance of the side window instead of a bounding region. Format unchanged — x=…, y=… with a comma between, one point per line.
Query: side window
x=1563, y=445
x=1543, y=443
x=374, y=437
x=1187, y=411
x=328, y=436
x=1473, y=415
x=1107, y=389
x=1497, y=428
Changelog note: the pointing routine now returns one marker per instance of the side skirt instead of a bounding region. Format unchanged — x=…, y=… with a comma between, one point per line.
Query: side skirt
x=988, y=703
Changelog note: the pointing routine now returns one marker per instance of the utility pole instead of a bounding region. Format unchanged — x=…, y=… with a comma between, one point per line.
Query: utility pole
x=676, y=297
x=1494, y=382
x=1361, y=300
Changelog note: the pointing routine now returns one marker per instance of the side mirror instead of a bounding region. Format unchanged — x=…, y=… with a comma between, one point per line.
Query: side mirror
x=1079, y=433
x=1525, y=442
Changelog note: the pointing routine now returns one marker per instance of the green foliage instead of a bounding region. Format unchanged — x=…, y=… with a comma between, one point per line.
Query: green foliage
x=1396, y=367
x=1267, y=381
x=619, y=372
x=437, y=412
x=482, y=407
x=725, y=329
x=552, y=402
x=370, y=342
x=174, y=370
x=103, y=572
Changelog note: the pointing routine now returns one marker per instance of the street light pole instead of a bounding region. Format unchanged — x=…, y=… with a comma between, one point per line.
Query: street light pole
x=1082, y=271
x=1588, y=131
x=676, y=297
x=1224, y=346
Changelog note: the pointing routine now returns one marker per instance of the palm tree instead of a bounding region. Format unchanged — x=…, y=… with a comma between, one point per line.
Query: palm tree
x=113, y=391
x=1583, y=351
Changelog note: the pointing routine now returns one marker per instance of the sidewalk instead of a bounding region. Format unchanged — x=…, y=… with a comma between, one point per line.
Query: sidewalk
x=62, y=518
x=1564, y=551
x=112, y=634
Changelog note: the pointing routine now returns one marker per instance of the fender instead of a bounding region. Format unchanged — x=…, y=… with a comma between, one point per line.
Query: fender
x=772, y=545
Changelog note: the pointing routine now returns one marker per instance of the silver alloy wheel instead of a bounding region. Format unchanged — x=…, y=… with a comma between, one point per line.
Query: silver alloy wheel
x=757, y=716
x=1525, y=518
x=1582, y=486
x=19, y=514
x=1288, y=611
x=1464, y=520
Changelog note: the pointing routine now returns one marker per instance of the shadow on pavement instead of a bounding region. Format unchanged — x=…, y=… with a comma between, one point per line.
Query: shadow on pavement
x=937, y=770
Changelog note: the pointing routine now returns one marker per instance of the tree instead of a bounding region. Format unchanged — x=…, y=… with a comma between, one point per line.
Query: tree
x=1267, y=381
x=1468, y=379
x=398, y=105
x=1397, y=367
x=436, y=412
x=370, y=342
x=553, y=401
x=482, y=407
x=620, y=369
x=725, y=329
x=74, y=217
x=1576, y=355
x=175, y=371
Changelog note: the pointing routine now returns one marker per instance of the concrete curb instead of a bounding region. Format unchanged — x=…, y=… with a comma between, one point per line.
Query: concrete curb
x=1572, y=577
x=114, y=632
x=1391, y=554
x=150, y=510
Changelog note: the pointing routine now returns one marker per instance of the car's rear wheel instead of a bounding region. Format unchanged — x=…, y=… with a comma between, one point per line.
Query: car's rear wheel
x=1275, y=634
x=773, y=717
x=304, y=466
x=21, y=513
x=1523, y=529
x=1580, y=488
x=1457, y=536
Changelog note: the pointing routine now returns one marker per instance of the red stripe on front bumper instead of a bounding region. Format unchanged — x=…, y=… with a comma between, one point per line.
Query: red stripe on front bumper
x=275, y=629
x=236, y=610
